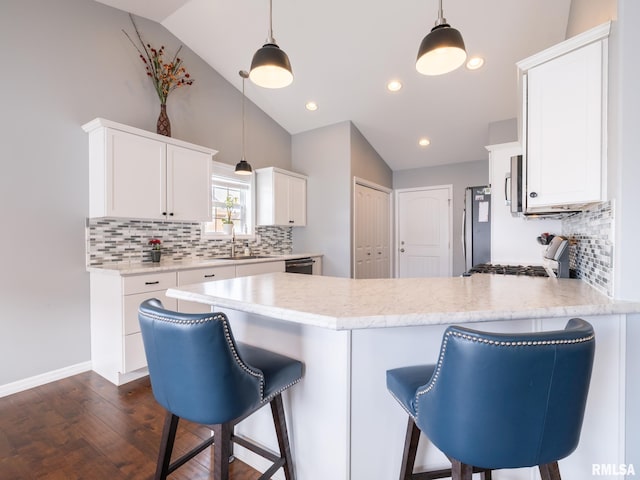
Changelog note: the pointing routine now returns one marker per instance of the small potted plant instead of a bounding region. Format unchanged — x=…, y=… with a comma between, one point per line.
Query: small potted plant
x=155, y=249
x=227, y=223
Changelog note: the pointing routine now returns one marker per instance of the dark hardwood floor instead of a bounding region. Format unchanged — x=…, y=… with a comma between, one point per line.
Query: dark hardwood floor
x=84, y=427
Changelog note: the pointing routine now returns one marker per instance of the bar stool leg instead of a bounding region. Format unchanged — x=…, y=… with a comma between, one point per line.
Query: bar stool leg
x=550, y=471
x=410, y=450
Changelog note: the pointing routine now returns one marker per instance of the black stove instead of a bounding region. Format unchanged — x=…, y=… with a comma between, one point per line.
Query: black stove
x=526, y=270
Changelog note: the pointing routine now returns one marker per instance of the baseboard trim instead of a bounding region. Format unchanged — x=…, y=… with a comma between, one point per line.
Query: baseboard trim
x=37, y=380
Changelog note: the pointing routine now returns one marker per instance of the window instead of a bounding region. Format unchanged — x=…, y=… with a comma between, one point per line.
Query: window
x=225, y=184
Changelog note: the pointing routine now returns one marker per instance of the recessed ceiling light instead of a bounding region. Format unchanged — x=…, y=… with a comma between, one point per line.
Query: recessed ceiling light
x=394, y=85
x=311, y=106
x=475, y=63
x=424, y=142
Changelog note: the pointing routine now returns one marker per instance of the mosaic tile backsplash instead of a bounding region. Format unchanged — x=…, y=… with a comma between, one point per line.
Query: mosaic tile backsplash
x=591, y=234
x=116, y=240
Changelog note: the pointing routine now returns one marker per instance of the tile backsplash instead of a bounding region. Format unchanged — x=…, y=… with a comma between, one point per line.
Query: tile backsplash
x=591, y=235
x=116, y=240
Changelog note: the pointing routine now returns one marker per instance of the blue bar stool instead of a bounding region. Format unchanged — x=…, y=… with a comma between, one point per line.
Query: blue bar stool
x=200, y=373
x=497, y=401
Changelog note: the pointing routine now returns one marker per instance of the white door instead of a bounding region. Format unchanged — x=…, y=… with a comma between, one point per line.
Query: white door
x=424, y=232
x=372, y=250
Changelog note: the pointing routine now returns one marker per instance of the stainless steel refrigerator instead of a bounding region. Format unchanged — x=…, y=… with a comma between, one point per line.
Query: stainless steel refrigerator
x=476, y=225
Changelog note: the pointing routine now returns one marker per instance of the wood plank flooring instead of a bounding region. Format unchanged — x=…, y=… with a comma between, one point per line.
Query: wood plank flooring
x=84, y=427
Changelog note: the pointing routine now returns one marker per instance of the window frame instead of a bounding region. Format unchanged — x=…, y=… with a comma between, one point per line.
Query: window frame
x=228, y=171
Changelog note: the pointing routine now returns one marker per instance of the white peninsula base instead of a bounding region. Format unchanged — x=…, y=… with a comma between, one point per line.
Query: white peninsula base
x=343, y=423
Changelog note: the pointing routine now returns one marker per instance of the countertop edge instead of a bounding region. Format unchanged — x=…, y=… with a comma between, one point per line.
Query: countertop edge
x=125, y=269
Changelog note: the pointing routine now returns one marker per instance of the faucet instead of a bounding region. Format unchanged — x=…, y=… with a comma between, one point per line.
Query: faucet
x=233, y=242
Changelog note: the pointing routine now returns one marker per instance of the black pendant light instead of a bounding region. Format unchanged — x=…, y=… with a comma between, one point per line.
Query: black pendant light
x=270, y=67
x=442, y=50
x=243, y=167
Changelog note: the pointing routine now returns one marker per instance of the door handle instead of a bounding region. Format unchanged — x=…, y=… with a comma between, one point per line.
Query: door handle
x=402, y=250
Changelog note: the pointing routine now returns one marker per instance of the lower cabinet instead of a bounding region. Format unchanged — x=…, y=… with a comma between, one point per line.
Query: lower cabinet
x=187, y=277
x=117, y=352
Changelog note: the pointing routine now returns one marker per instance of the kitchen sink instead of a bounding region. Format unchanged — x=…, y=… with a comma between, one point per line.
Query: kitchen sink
x=243, y=257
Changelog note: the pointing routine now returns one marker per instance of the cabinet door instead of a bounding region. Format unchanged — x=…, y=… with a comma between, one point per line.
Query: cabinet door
x=281, y=215
x=136, y=176
x=188, y=184
x=133, y=348
x=297, y=201
x=564, y=129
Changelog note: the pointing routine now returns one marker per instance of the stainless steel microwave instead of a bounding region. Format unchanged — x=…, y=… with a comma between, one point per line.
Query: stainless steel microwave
x=515, y=193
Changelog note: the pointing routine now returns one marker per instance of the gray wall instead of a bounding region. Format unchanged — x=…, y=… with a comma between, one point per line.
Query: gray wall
x=460, y=175
x=67, y=63
x=366, y=163
x=585, y=14
x=324, y=155
x=625, y=142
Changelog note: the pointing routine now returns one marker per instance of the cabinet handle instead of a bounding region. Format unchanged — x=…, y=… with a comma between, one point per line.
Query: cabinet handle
x=164, y=214
x=210, y=275
x=292, y=221
x=171, y=214
x=152, y=283
x=402, y=250
x=533, y=194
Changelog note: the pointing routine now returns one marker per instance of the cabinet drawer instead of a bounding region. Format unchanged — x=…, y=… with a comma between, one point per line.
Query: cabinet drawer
x=132, y=302
x=206, y=274
x=245, y=270
x=149, y=282
x=134, y=356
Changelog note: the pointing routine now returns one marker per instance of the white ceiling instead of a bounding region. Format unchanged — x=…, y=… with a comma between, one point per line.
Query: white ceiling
x=343, y=52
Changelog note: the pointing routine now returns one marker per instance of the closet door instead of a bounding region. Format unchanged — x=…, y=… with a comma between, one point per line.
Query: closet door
x=372, y=250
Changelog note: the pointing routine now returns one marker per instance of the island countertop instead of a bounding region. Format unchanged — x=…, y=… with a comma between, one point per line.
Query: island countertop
x=348, y=304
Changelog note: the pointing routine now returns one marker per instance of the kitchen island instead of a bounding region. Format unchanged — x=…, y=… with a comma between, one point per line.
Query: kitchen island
x=343, y=423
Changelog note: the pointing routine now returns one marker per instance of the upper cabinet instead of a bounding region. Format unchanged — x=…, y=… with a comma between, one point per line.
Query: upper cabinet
x=139, y=174
x=564, y=92
x=281, y=197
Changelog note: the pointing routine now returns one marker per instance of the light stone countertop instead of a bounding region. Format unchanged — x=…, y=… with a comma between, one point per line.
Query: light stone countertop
x=168, y=265
x=346, y=304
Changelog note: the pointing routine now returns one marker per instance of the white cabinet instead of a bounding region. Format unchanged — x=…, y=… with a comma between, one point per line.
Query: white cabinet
x=117, y=351
x=187, y=277
x=564, y=120
x=281, y=197
x=138, y=174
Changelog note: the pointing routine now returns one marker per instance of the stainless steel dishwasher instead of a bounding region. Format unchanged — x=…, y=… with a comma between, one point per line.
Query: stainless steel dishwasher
x=299, y=265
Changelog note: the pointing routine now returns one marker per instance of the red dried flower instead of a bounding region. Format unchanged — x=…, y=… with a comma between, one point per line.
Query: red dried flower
x=166, y=77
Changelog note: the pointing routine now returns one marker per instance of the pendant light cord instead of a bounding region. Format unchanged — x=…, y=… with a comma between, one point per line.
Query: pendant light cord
x=270, y=38
x=243, y=100
x=441, y=20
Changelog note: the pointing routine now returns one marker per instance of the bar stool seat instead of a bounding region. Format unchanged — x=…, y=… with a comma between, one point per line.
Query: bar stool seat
x=495, y=401
x=200, y=373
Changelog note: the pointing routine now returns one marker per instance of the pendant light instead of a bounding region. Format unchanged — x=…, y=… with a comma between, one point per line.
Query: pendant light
x=442, y=50
x=270, y=67
x=243, y=167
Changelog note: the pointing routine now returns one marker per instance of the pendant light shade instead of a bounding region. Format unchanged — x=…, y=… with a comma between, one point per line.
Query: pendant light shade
x=442, y=50
x=270, y=67
x=243, y=167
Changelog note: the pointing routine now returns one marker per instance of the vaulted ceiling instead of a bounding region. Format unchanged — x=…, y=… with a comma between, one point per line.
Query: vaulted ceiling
x=343, y=53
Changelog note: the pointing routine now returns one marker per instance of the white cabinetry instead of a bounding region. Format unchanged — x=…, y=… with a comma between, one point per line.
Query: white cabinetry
x=281, y=197
x=117, y=352
x=187, y=277
x=138, y=174
x=564, y=120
